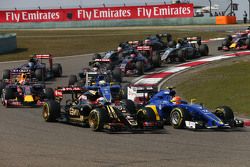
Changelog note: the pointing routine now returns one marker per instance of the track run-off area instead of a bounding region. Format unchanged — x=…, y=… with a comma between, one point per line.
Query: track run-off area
x=27, y=140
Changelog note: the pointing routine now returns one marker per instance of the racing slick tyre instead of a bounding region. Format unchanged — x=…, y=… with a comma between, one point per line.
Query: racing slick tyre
x=145, y=114
x=51, y=111
x=98, y=118
x=57, y=70
x=117, y=75
x=178, y=116
x=96, y=56
x=181, y=56
x=226, y=114
x=8, y=94
x=156, y=59
x=49, y=93
x=248, y=43
x=2, y=86
x=72, y=79
x=203, y=49
x=172, y=44
x=6, y=74
x=140, y=67
x=40, y=74
x=130, y=106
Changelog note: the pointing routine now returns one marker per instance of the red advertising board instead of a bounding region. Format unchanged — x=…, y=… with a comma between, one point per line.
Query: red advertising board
x=102, y=13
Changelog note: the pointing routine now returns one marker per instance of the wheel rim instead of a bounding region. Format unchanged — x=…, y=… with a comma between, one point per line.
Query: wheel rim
x=45, y=112
x=93, y=120
x=175, y=118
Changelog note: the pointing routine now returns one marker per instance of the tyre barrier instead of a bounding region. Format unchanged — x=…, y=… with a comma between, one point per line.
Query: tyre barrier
x=7, y=43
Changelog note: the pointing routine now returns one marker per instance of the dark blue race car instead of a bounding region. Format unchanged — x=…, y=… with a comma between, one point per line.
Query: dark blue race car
x=40, y=66
x=167, y=107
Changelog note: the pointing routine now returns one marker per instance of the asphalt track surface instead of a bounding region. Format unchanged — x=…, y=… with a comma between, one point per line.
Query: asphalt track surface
x=26, y=140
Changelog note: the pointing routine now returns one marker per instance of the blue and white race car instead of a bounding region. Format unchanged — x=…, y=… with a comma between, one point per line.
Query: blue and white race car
x=167, y=107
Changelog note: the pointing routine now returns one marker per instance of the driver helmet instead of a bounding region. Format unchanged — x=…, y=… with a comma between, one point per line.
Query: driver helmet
x=176, y=100
x=95, y=69
x=31, y=64
x=178, y=45
x=82, y=99
x=102, y=82
x=119, y=49
x=133, y=55
x=101, y=100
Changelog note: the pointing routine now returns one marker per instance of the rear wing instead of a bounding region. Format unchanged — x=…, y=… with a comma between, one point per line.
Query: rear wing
x=44, y=56
x=60, y=91
x=41, y=56
x=144, y=48
x=99, y=61
x=135, y=43
x=194, y=40
x=140, y=94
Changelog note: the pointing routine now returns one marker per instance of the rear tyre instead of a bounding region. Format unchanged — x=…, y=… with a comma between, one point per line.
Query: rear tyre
x=156, y=59
x=72, y=79
x=51, y=111
x=226, y=114
x=117, y=75
x=2, y=86
x=181, y=56
x=98, y=118
x=49, y=93
x=140, y=67
x=203, y=49
x=40, y=74
x=248, y=43
x=178, y=116
x=57, y=69
x=6, y=74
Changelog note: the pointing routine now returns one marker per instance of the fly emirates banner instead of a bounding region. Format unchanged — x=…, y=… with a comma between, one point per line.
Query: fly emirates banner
x=102, y=13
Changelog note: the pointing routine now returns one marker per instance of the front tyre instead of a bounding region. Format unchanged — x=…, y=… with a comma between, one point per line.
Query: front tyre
x=57, y=69
x=145, y=114
x=51, y=111
x=225, y=113
x=178, y=116
x=97, y=119
x=139, y=67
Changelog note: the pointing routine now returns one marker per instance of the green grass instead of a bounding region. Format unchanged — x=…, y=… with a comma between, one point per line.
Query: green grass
x=73, y=42
x=225, y=85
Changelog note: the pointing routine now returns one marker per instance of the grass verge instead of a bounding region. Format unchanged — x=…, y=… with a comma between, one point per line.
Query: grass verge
x=73, y=42
x=225, y=85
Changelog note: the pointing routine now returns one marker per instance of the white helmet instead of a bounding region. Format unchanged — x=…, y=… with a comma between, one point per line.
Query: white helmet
x=101, y=100
x=119, y=49
x=102, y=82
